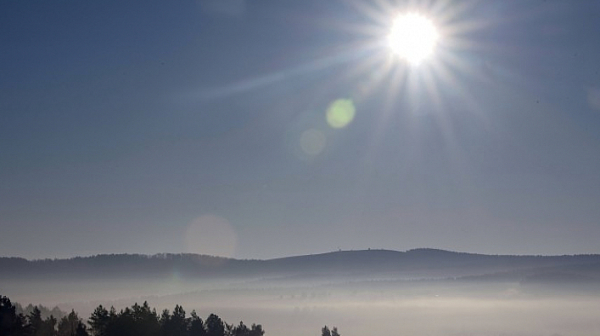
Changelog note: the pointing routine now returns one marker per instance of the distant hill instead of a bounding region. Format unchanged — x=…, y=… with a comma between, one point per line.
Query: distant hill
x=364, y=264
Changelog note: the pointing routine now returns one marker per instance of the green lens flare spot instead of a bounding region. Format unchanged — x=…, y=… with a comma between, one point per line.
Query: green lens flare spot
x=340, y=113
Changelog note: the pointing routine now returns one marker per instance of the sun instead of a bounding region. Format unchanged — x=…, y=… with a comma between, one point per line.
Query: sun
x=413, y=37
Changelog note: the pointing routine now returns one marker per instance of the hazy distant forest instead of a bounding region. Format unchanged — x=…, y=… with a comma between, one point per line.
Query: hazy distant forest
x=134, y=320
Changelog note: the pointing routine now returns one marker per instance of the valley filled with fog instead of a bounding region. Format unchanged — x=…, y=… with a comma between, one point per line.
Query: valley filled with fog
x=424, y=291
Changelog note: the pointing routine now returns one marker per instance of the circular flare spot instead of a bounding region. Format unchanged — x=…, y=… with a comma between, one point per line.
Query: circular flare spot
x=340, y=113
x=312, y=141
x=211, y=235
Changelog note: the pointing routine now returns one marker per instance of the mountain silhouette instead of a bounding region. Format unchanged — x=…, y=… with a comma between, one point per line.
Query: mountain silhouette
x=423, y=263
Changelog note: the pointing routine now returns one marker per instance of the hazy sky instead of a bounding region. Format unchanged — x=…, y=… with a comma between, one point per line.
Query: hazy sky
x=183, y=126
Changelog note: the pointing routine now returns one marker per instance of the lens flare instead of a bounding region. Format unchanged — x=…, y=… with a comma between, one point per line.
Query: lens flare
x=312, y=141
x=340, y=113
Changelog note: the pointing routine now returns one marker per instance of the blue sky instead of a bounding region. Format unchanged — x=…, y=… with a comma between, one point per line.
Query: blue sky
x=184, y=126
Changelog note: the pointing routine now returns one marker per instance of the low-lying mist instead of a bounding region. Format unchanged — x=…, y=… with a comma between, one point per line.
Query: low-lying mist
x=397, y=308
x=362, y=293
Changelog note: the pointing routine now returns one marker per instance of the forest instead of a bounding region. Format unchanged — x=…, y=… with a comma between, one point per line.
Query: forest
x=134, y=320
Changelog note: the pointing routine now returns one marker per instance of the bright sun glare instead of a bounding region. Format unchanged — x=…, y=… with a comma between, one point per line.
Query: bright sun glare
x=413, y=37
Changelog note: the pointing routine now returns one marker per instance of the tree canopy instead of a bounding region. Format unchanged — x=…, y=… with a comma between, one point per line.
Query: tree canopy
x=139, y=320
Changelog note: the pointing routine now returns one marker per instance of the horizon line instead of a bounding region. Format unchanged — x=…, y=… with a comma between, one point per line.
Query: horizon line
x=164, y=254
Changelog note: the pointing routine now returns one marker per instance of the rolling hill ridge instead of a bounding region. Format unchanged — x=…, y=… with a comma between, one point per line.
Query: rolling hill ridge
x=363, y=264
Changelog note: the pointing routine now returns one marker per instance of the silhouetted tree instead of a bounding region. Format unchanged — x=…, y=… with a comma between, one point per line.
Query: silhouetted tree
x=196, y=325
x=256, y=330
x=81, y=330
x=35, y=322
x=178, y=322
x=240, y=330
x=214, y=326
x=175, y=324
x=138, y=320
x=326, y=332
x=98, y=321
x=11, y=323
x=165, y=321
x=124, y=324
x=48, y=327
x=145, y=319
x=71, y=325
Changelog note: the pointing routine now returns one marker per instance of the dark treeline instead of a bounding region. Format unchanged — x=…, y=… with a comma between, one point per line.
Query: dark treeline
x=135, y=320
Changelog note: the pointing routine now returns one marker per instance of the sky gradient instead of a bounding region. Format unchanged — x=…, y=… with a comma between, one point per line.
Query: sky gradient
x=201, y=126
